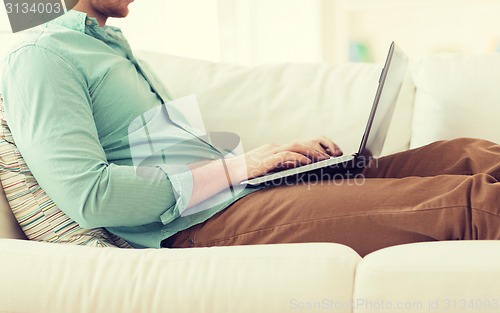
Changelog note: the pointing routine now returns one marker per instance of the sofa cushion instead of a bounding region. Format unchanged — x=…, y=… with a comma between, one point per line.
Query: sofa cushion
x=36, y=213
x=451, y=276
x=293, y=278
x=457, y=96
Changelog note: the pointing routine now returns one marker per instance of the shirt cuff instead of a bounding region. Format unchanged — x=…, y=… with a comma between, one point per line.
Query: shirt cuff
x=181, y=178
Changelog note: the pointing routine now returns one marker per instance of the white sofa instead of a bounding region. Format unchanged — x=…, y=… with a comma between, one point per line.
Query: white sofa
x=444, y=96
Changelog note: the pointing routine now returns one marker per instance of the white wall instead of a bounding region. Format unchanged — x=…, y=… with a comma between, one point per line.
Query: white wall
x=420, y=27
x=248, y=32
x=270, y=31
x=182, y=27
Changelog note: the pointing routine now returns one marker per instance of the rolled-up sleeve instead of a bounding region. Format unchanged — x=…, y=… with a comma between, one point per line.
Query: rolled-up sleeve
x=49, y=110
x=181, y=179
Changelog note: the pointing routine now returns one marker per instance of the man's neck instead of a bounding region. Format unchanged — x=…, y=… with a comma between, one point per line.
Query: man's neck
x=83, y=6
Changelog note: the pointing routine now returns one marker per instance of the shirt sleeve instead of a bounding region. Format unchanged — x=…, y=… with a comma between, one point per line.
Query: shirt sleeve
x=49, y=110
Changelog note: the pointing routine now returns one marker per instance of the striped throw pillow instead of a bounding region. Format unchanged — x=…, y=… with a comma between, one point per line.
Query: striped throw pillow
x=36, y=213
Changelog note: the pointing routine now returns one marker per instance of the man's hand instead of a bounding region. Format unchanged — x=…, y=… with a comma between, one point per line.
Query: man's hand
x=209, y=178
x=272, y=157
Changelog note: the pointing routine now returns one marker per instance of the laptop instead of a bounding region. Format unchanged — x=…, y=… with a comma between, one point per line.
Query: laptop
x=389, y=85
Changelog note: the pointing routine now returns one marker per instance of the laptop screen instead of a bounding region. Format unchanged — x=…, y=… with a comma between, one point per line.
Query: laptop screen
x=391, y=80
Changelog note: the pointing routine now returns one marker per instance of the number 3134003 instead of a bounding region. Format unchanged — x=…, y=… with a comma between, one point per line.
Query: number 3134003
x=33, y=8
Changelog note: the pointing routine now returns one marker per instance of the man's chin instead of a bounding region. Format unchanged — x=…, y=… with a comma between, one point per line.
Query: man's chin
x=120, y=14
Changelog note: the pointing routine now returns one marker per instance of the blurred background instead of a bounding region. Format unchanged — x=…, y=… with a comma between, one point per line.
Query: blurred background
x=253, y=32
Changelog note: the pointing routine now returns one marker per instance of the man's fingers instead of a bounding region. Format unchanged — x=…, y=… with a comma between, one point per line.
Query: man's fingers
x=286, y=159
x=330, y=147
x=274, y=157
x=286, y=165
x=290, y=159
x=306, y=150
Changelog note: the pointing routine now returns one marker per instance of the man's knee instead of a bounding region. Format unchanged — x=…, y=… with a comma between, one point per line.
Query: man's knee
x=468, y=142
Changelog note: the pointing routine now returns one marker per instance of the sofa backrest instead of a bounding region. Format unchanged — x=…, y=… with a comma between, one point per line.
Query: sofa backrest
x=458, y=95
x=284, y=102
x=445, y=96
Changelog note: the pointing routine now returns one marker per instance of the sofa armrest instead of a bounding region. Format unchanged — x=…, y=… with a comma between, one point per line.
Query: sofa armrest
x=41, y=277
x=451, y=276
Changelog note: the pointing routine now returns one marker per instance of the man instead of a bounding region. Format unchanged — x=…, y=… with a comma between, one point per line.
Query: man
x=75, y=95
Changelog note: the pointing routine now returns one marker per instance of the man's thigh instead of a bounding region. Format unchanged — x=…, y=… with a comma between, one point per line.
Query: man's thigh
x=366, y=215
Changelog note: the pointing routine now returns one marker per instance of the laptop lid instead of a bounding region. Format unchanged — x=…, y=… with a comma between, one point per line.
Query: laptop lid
x=390, y=82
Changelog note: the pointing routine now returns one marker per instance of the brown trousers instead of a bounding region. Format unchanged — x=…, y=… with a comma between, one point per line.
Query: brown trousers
x=448, y=190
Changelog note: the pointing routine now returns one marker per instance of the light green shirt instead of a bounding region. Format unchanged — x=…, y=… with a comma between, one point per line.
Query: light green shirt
x=73, y=94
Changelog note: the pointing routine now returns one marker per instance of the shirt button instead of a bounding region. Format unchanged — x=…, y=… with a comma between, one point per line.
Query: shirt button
x=88, y=22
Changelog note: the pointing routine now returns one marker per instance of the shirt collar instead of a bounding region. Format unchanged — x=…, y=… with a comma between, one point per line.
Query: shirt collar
x=79, y=21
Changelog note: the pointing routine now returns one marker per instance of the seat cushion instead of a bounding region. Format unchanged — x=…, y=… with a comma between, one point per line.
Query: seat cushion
x=450, y=276
x=36, y=213
x=293, y=278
